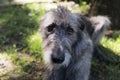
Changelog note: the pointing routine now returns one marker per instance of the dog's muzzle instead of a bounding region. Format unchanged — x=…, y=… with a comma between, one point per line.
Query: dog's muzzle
x=58, y=57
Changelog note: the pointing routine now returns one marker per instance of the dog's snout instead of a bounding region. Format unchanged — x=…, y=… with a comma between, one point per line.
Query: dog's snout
x=57, y=59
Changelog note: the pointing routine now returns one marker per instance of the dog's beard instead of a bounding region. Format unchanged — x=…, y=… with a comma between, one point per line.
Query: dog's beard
x=50, y=65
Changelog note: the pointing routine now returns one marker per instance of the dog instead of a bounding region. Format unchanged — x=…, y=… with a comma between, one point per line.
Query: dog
x=68, y=43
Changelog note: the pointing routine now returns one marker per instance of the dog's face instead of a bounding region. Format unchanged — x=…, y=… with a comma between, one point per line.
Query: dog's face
x=60, y=30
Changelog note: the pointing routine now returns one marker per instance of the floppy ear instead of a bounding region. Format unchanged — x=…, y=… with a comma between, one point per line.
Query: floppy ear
x=83, y=21
x=99, y=24
x=83, y=42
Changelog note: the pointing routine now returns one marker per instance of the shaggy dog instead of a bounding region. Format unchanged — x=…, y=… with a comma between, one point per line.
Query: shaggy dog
x=68, y=43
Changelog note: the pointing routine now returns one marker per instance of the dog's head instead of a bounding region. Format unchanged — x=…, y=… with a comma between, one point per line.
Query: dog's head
x=60, y=30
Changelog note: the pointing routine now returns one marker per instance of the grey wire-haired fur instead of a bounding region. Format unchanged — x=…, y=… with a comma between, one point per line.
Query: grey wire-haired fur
x=67, y=44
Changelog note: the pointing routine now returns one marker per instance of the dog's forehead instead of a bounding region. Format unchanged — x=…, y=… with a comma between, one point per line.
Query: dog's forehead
x=61, y=16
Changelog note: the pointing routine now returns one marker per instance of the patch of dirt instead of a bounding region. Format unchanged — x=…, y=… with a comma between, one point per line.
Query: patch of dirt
x=6, y=65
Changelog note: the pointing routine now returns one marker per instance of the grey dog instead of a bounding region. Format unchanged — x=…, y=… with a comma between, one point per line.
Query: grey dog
x=68, y=43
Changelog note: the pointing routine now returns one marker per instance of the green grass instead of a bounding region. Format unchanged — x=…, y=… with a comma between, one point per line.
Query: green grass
x=112, y=44
x=20, y=40
x=20, y=43
x=17, y=24
x=111, y=49
x=34, y=44
x=83, y=6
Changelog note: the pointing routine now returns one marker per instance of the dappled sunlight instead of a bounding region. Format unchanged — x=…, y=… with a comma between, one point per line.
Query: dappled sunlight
x=6, y=65
x=84, y=7
x=34, y=42
x=71, y=5
x=31, y=1
x=20, y=44
x=112, y=44
x=35, y=38
x=20, y=41
x=13, y=65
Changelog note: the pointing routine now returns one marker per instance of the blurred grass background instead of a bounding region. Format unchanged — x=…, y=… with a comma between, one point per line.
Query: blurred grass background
x=20, y=44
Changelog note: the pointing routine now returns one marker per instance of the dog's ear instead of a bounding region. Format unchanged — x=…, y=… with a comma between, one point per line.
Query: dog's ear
x=95, y=26
x=85, y=24
x=81, y=21
x=99, y=24
x=82, y=43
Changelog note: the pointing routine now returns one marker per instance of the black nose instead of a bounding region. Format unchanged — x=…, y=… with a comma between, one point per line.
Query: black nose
x=57, y=58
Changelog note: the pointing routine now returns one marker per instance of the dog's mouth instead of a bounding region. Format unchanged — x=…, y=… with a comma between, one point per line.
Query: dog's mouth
x=62, y=59
x=57, y=59
x=61, y=55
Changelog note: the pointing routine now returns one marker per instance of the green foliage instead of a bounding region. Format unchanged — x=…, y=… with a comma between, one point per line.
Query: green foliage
x=17, y=24
x=34, y=44
x=83, y=6
x=112, y=44
x=19, y=37
x=111, y=49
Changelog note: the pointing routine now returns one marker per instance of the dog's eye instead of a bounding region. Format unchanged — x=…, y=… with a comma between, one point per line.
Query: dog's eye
x=51, y=27
x=69, y=30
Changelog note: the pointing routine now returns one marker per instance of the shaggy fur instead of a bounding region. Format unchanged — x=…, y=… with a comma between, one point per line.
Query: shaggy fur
x=67, y=45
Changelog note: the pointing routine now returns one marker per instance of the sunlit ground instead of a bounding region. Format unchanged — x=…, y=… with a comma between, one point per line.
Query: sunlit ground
x=6, y=64
x=112, y=43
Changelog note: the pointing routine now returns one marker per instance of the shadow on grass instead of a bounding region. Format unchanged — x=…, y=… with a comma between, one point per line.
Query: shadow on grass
x=101, y=70
x=33, y=70
x=17, y=22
